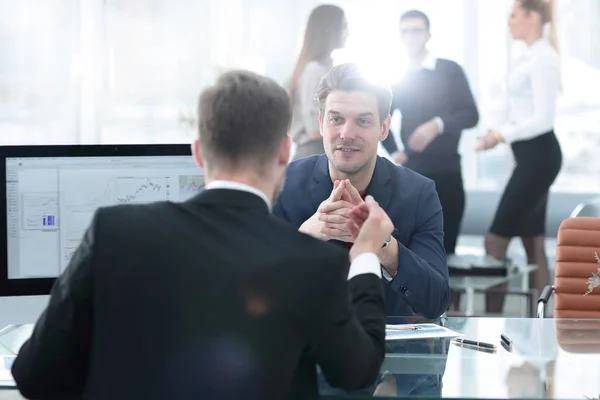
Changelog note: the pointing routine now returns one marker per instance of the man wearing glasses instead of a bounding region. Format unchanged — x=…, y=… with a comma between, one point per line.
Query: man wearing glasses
x=436, y=104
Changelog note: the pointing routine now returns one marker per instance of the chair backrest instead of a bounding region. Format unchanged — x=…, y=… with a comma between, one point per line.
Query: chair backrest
x=578, y=336
x=589, y=208
x=577, y=242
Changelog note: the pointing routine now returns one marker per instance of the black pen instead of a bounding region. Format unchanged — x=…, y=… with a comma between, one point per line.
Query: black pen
x=477, y=344
x=481, y=349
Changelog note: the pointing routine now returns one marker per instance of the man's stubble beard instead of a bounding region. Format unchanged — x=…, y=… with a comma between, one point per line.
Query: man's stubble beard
x=353, y=169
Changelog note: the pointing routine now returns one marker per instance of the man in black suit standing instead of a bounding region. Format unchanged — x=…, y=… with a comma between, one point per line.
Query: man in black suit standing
x=214, y=298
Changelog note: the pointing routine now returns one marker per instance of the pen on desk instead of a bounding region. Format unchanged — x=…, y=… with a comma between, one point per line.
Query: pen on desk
x=474, y=343
x=481, y=349
x=506, y=339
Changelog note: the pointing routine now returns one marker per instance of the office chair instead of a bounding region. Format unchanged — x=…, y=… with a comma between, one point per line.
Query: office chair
x=578, y=336
x=589, y=208
x=577, y=242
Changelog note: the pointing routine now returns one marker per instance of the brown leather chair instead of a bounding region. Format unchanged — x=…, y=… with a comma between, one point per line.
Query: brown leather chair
x=578, y=336
x=577, y=242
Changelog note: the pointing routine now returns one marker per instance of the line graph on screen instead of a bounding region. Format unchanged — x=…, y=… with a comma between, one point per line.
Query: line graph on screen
x=83, y=192
x=142, y=190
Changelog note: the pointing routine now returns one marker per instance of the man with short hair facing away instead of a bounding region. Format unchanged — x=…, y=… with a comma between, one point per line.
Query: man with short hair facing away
x=214, y=298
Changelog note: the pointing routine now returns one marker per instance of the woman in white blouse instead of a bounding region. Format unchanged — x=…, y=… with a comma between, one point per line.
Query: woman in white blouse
x=533, y=88
x=326, y=30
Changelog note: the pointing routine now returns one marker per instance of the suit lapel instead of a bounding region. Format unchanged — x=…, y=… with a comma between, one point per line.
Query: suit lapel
x=381, y=185
x=320, y=185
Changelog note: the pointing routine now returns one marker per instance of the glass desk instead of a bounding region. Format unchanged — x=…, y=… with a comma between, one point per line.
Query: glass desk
x=470, y=284
x=549, y=358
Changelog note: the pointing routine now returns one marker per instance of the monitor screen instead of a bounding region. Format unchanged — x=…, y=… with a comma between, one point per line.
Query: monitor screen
x=50, y=201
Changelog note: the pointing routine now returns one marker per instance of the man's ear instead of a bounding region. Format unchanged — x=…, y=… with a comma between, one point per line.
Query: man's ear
x=385, y=127
x=321, y=124
x=285, y=150
x=197, y=154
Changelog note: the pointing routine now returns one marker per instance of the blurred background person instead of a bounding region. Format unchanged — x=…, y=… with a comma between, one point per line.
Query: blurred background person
x=533, y=87
x=436, y=104
x=326, y=31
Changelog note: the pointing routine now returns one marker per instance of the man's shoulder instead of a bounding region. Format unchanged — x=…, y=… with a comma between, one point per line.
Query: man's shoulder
x=448, y=65
x=406, y=176
x=121, y=216
x=298, y=172
x=303, y=165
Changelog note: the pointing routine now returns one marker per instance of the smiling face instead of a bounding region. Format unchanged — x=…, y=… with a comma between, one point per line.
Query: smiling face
x=351, y=129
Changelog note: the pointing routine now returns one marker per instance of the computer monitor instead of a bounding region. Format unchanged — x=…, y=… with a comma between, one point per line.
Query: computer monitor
x=52, y=192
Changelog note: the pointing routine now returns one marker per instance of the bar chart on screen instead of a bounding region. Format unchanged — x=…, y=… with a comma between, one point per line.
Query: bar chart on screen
x=40, y=211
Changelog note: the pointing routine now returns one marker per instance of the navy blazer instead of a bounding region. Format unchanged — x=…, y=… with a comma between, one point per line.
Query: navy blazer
x=421, y=285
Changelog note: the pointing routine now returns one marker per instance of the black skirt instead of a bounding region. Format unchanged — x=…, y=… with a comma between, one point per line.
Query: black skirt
x=522, y=208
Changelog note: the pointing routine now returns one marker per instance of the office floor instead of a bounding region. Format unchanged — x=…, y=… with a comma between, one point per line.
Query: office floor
x=471, y=244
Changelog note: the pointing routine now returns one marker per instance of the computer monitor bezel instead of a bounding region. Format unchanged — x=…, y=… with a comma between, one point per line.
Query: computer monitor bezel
x=43, y=286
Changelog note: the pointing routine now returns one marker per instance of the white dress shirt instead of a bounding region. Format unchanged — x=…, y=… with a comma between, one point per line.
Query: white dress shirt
x=366, y=263
x=533, y=87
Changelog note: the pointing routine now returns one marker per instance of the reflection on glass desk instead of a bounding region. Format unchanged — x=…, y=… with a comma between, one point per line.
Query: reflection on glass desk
x=549, y=358
x=480, y=283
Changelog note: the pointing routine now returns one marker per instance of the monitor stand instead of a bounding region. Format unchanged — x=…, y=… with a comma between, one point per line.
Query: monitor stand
x=5, y=331
x=9, y=328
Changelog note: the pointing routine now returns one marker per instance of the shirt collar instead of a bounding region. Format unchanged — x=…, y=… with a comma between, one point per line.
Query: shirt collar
x=429, y=62
x=239, y=186
x=537, y=45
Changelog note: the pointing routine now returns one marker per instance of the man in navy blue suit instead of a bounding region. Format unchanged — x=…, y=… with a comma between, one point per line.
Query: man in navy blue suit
x=320, y=191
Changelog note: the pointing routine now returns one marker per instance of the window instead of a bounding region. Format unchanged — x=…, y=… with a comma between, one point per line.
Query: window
x=38, y=78
x=119, y=71
x=154, y=57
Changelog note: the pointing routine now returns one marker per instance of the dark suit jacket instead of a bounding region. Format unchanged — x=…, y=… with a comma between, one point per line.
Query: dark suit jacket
x=214, y=298
x=421, y=285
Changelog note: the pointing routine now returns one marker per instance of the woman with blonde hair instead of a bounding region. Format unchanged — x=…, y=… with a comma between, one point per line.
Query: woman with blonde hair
x=326, y=30
x=533, y=87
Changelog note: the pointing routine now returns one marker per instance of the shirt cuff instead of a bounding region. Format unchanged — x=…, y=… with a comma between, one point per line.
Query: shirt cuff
x=366, y=263
x=440, y=124
x=507, y=132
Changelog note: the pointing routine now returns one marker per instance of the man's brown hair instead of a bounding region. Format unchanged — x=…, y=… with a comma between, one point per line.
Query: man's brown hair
x=349, y=78
x=242, y=119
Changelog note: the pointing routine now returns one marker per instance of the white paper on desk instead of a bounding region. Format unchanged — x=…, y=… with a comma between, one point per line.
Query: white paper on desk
x=6, y=378
x=418, y=331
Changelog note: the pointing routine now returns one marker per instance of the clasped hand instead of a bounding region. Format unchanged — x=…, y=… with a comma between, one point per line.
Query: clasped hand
x=331, y=219
x=340, y=217
x=345, y=216
x=334, y=213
